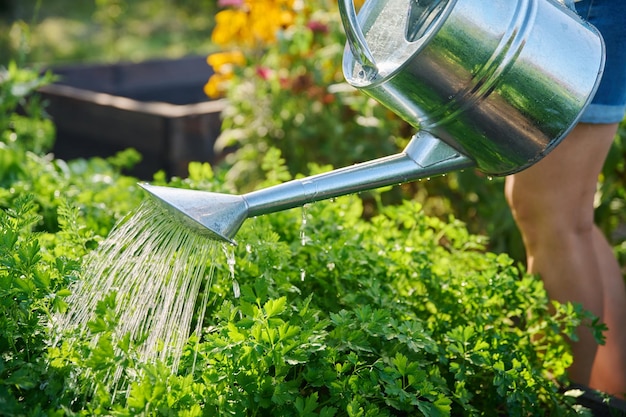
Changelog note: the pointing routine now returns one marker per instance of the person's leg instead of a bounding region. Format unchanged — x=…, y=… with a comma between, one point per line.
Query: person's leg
x=609, y=368
x=552, y=203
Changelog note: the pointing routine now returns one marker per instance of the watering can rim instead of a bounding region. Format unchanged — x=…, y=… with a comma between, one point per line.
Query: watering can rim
x=357, y=44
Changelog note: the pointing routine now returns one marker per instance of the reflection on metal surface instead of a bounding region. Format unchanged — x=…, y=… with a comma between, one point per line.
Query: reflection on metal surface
x=502, y=82
x=422, y=14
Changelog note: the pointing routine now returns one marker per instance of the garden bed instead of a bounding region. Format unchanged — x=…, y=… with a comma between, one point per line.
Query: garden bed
x=157, y=107
x=322, y=312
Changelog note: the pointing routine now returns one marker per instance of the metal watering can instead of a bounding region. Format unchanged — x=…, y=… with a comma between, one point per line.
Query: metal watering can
x=489, y=84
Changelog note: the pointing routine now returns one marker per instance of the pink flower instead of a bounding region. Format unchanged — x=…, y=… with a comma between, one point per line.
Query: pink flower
x=230, y=3
x=264, y=72
x=317, y=26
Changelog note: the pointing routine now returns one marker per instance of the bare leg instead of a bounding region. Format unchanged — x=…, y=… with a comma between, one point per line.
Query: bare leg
x=609, y=368
x=552, y=203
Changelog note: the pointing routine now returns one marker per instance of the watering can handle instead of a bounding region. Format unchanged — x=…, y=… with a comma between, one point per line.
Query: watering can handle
x=356, y=39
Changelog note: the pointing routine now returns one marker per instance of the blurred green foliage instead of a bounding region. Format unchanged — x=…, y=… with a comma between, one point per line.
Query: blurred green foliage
x=68, y=31
x=611, y=196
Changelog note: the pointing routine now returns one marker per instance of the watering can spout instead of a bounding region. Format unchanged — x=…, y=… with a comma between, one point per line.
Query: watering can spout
x=219, y=216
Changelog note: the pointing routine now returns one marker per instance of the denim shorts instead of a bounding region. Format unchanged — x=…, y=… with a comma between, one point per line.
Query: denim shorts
x=609, y=103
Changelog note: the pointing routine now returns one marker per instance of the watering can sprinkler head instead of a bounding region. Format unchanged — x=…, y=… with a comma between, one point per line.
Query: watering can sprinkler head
x=499, y=107
x=214, y=215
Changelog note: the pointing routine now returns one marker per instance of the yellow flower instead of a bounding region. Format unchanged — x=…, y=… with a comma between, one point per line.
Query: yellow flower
x=231, y=26
x=223, y=61
x=215, y=87
x=254, y=23
x=222, y=64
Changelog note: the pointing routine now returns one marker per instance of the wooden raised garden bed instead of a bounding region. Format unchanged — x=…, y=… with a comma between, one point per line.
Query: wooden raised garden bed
x=157, y=107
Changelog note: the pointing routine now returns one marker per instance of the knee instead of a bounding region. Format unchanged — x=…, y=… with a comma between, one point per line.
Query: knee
x=545, y=218
x=528, y=211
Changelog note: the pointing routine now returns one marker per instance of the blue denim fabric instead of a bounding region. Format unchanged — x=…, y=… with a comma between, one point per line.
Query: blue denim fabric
x=609, y=103
x=570, y=4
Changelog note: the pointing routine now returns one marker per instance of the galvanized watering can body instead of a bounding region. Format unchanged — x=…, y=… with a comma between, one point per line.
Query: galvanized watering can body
x=492, y=84
x=501, y=81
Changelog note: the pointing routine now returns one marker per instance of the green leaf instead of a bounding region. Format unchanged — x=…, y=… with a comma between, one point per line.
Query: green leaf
x=400, y=362
x=354, y=409
x=63, y=292
x=306, y=407
x=440, y=408
x=97, y=325
x=274, y=308
x=139, y=394
x=235, y=334
x=328, y=411
x=23, y=378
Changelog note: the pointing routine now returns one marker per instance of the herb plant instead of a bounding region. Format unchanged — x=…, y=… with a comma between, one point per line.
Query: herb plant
x=324, y=313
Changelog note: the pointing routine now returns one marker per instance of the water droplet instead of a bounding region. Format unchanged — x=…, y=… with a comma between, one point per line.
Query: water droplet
x=230, y=259
x=304, y=239
x=229, y=251
x=236, y=289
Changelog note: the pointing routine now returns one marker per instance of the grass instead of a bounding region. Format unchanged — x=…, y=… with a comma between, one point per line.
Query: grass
x=56, y=32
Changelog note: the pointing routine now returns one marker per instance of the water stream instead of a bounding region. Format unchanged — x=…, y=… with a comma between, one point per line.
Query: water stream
x=157, y=269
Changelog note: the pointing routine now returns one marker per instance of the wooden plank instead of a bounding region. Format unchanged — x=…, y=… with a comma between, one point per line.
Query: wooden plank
x=169, y=135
